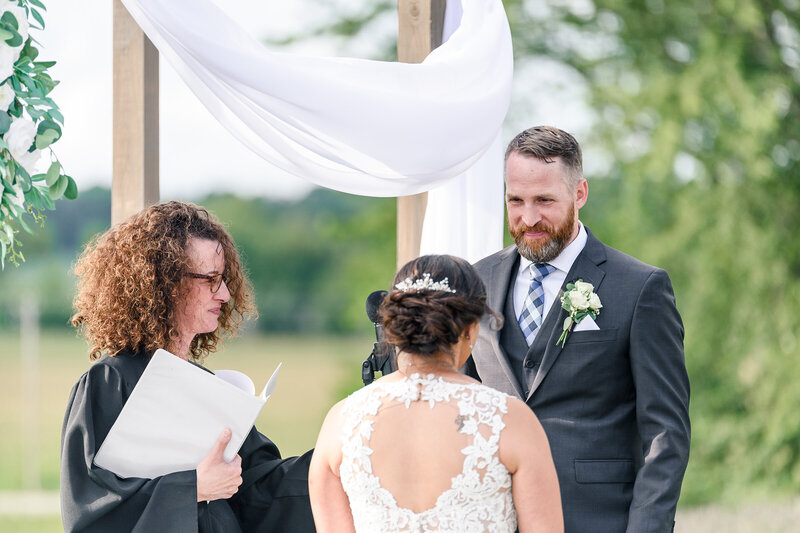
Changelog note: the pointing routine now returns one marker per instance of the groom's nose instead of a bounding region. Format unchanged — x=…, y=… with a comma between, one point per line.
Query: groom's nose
x=531, y=216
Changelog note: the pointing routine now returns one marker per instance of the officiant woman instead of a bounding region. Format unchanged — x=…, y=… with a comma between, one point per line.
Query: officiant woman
x=168, y=277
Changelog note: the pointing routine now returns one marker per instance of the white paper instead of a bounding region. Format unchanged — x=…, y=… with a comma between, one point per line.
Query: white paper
x=173, y=418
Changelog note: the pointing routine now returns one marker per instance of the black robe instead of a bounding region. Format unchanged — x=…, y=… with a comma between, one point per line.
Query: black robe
x=273, y=495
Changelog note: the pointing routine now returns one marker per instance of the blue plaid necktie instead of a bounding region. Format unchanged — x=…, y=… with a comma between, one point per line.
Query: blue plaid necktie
x=532, y=310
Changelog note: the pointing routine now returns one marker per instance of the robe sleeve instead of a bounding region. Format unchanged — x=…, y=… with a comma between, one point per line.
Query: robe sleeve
x=94, y=499
x=274, y=491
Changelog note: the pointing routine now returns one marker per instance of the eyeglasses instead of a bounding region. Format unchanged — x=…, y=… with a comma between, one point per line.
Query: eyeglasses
x=214, y=280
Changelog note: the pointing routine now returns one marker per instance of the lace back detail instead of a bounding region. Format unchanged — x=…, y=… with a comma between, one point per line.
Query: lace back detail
x=479, y=498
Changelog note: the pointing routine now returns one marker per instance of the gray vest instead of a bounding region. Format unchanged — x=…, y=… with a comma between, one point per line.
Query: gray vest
x=520, y=357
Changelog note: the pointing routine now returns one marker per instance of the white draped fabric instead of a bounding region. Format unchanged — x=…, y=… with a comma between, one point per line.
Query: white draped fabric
x=358, y=126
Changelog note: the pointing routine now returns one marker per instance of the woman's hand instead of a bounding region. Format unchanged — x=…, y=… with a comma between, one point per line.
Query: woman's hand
x=216, y=479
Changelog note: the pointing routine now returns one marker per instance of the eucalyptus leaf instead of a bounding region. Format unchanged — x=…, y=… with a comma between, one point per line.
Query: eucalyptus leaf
x=9, y=20
x=5, y=34
x=57, y=189
x=53, y=173
x=34, y=198
x=15, y=109
x=48, y=125
x=25, y=225
x=71, y=192
x=5, y=123
x=38, y=4
x=55, y=114
x=38, y=17
x=6, y=180
x=43, y=140
x=24, y=179
x=48, y=202
x=14, y=40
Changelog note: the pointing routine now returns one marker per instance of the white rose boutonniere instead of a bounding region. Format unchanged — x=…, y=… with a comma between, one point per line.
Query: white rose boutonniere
x=579, y=301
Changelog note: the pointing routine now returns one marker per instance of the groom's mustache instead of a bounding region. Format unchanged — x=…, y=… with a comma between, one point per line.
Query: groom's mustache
x=536, y=227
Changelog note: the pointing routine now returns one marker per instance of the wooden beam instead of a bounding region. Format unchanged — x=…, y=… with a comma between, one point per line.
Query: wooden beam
x=135, y=178
x=419, y=32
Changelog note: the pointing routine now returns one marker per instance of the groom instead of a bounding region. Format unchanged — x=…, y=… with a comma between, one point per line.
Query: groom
x=614, y=399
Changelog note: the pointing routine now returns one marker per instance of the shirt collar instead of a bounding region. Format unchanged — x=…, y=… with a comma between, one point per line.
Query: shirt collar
x=564, y=260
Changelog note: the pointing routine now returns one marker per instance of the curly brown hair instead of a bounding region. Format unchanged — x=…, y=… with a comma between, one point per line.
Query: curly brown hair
x=424, y=322
x=132, y=278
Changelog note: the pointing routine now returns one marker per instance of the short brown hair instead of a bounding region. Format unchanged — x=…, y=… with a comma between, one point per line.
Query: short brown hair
x=545, y=143
x=131, y=280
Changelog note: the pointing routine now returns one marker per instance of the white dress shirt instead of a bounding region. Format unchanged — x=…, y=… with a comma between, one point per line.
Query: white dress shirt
x=551, y=283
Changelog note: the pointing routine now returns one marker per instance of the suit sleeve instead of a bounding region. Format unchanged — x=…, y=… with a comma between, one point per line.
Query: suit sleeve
x=662, y=406
x=94, y=499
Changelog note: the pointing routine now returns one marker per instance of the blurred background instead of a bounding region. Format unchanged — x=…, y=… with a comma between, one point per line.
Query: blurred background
x=689, y=115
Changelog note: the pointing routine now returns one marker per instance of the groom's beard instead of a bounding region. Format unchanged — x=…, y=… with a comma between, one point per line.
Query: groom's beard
x=547, y=248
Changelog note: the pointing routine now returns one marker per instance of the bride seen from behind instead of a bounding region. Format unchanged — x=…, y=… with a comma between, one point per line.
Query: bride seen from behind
x=427, y=448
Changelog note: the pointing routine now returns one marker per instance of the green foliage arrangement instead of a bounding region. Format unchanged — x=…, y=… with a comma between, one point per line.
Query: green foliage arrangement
x=30, y=123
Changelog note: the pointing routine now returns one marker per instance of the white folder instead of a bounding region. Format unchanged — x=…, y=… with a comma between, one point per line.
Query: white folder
x=175, y=415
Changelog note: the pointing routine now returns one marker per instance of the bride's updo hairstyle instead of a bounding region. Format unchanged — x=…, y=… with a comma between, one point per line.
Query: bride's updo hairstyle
x=432, y=301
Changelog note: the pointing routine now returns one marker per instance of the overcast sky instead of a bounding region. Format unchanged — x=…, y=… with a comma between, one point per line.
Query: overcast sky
x=198, y=155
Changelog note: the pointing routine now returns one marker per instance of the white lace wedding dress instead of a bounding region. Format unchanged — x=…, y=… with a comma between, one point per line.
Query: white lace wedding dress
x=479, y=498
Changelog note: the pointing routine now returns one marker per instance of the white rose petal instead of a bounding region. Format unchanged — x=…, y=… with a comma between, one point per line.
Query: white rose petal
x=19, y=136
x=6, y=96
x=578, y=300
x=594, y=301
x=30, y=161
x=585, y=288
x=8, y=56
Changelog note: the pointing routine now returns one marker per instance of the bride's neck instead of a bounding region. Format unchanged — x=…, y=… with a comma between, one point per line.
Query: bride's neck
x=436, y=363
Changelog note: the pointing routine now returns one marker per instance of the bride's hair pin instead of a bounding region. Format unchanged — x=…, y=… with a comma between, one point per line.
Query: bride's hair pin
x=424, y=284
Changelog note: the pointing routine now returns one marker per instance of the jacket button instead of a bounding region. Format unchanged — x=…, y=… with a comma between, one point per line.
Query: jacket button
x=528, y=363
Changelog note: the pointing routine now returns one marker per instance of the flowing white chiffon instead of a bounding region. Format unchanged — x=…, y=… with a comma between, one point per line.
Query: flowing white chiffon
x=364, y=127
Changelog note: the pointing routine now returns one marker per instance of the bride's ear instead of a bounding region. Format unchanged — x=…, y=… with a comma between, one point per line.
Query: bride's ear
x=471, y=333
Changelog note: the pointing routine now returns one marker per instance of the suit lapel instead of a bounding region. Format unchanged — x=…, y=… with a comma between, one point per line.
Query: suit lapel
x=500, y=277
x=586, y=268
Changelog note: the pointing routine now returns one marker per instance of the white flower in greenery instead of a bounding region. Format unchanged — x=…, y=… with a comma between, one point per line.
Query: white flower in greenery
x=6, y=96
x=22, y=19
x=8, y=56
x=30, y=161
x=578, y=299
x=583, y=287
x=20, y=136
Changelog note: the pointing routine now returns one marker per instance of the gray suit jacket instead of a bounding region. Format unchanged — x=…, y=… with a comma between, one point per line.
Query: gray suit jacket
x=614, y=402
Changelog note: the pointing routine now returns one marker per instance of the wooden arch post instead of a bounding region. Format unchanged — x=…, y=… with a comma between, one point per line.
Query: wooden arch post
x=134, y=183
x=420, y=31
